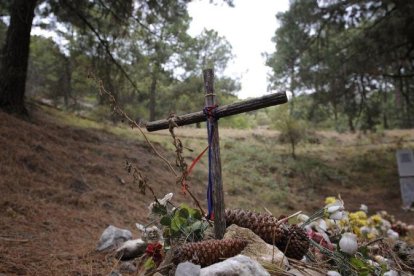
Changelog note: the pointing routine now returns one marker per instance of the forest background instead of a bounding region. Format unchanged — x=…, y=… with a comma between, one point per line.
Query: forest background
x=348, y=65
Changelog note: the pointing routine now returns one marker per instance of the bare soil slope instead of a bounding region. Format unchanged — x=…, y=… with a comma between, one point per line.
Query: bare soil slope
x=60, y=188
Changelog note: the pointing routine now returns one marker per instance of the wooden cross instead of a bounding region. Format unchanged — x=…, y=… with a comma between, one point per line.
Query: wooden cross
x=219, y=112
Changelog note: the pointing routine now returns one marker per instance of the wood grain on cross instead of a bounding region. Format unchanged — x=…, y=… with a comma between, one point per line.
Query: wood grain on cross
x=219, y=112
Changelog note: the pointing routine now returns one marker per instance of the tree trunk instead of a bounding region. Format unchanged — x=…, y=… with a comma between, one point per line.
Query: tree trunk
x=67, y=81
x=15, y=56
x=153, y=92
x=351, y=124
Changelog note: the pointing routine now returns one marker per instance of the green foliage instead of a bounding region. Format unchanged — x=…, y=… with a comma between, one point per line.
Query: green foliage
x=292, y=130
x=183, y=223
x=241, y=121
x=137, y=49
x=344, y=54
x=46, y=65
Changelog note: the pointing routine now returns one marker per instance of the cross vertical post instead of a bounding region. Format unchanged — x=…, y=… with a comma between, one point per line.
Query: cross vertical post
x=215, y=161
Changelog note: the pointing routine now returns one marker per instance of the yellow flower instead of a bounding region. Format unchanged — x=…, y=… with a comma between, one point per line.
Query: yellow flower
x=361, y=214
x=376, y=219
x=330, y=199
x=356, y=230
x=353, y=216
x=371, y=236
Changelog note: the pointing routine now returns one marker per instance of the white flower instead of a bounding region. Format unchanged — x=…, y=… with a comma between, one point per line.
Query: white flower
x=364, y=208
x=380, y=259
x=392, y=234
x=365, y=230
x=162, y=201
x=335, y=210
x=166, y=198
x=321, y=223
x=348, y=243
x=302, y=217
x=140, y=227
x=372, y=263
x=385, y=225
x=333, y=273
x=337, y=215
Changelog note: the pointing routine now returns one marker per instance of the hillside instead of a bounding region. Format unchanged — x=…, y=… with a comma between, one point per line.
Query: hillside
x=63, y=182
x=61, y=186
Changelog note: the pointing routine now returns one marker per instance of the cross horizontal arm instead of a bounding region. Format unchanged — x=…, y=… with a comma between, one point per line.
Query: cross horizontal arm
x=223, y=111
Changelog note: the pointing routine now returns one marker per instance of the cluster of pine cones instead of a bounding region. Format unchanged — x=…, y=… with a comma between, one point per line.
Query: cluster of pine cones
x=290, y=239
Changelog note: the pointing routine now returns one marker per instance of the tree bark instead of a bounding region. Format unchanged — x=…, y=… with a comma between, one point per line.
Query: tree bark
x=153, y=92
x=15, y=56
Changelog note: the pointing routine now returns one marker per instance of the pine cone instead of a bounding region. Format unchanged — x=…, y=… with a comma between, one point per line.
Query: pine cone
x=208, y=252
x=289, y=239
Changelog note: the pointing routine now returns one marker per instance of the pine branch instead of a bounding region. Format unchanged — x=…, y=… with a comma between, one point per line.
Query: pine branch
x=103, y=42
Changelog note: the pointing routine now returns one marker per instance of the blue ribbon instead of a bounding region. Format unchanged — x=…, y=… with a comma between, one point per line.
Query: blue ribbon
x=209, y=112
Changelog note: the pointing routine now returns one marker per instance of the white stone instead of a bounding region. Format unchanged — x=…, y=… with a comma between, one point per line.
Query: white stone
x=113, y=236
x=391, y=273
x=187, y=269
x=238, y=265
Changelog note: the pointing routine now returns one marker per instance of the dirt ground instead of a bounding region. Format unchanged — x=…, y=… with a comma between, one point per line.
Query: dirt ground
x=61, y=186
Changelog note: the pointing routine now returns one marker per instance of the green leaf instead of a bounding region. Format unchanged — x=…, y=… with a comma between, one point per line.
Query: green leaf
x=159, y=209
x=357, y=263
x=165, y=220
x=196, y=214
x=149, y=264
x=364, y=251
x=177, y=223
x=198, y=225
x=184, y=213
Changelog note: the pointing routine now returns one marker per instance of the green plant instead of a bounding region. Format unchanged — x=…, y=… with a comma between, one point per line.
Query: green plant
x=181, y=224
x=292, y=130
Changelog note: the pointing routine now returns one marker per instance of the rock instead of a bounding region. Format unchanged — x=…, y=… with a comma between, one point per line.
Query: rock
x=256, y=248
x=305, y=272
x=391, y=273
x=113, y=236
x=131, y=249
x=127, y=267
x=238, y=265
x=187, y=269
x=114, y=273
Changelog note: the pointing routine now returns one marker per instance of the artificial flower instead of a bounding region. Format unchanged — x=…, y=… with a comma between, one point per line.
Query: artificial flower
x=364, y=208
x=392, y=234
x=154, y=251
x=348, y=243
x=330, y=199
x=335, y=209
x=302, y=217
